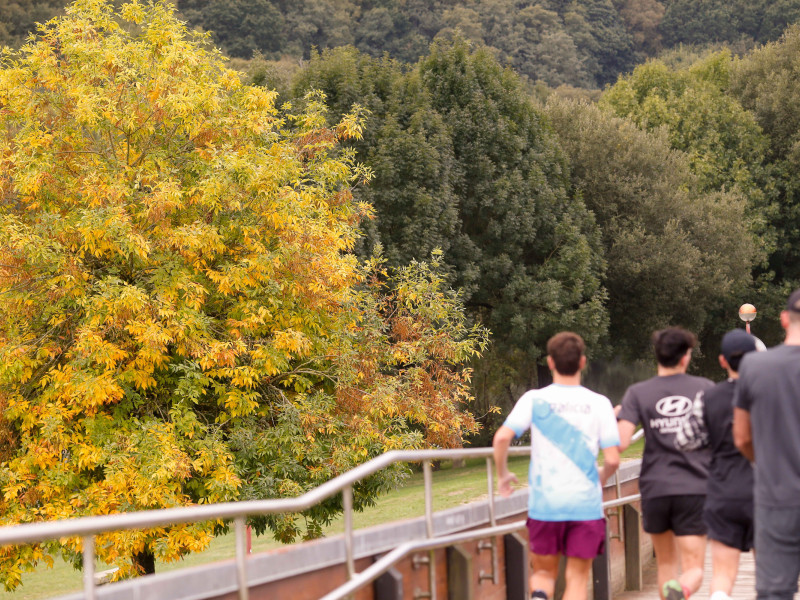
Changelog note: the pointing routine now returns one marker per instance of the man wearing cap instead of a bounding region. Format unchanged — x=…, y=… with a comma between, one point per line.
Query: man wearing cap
x=766, y=429
x=728, y=511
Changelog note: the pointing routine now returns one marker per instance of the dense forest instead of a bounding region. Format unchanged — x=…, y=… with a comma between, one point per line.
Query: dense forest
x=668, y=198
x=582, y=43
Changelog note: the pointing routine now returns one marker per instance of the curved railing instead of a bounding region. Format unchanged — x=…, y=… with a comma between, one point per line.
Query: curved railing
x=88, y=528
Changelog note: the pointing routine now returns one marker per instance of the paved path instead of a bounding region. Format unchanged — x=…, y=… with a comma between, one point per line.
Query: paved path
x=745, y=588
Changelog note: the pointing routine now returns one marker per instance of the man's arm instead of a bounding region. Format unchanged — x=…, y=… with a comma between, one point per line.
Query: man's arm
x=626, y=429
x=743, y=433
x=610, y=464
x=501, y=442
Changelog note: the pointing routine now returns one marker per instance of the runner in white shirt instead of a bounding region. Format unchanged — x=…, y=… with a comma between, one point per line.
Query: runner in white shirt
x=568, y=424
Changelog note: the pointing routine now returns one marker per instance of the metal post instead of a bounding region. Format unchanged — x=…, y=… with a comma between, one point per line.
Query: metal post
x=90, y=592
x=633, y=549
x=601, y=575
x=490, y=479
x=241, y=557
x=428, y=476
x=432, y=573
x=347, y=504
x=618, y=482
x=492, y=518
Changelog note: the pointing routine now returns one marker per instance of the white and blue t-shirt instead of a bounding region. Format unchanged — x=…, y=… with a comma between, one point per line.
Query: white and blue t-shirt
x=568, y=424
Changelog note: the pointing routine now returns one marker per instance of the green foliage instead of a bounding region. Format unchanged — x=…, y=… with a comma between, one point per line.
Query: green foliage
x=766, y=84
x=675, y=252
x=723, y=140
x=18, y=18
x=464, y=163
x=582, y=43
x=710, y=21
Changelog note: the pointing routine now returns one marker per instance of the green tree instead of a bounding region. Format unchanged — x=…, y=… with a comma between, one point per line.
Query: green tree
x=18, y=18
x=642, y=18
x=722, y=139
x=242, y=27
x=675, y=251
x=765, y=82
x=709, y=21
x=183, y=318
x=464, y=162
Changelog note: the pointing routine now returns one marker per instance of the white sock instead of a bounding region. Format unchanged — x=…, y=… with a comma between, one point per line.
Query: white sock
x=720, y=595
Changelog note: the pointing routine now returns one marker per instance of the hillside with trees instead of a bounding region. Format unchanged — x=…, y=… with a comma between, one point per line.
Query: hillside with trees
x=582, y=43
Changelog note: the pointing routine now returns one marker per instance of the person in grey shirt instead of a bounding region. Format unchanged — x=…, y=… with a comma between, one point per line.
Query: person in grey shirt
x=766, y=429
x=672, y=482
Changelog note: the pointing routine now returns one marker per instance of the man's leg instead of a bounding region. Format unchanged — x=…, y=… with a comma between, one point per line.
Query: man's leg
x=725, y=566
x=577, y=576
x=778, y=553
x=544, y=571
x=692, y=551
x=666, y=557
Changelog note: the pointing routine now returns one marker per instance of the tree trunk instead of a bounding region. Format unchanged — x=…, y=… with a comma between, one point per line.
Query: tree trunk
x=144, y=562
x=543, y=376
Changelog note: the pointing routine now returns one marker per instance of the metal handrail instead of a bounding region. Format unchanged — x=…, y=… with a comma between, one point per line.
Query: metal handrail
x=83, y=526
x=88, y=527
x=379, y=567
x=386, y=562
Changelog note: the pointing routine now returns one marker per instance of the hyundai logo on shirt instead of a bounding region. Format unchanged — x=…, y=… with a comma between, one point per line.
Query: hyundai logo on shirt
x=672, y=408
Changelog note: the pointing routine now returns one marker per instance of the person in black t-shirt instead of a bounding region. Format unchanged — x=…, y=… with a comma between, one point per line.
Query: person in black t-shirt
x=672, y=482
x=728, y=511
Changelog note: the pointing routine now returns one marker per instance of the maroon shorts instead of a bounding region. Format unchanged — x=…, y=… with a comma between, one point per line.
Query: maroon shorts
x=581, y=539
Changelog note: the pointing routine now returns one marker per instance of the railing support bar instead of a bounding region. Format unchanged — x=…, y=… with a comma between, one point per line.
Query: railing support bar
x=241, y=557
x=90, y=592
x=428, y=476
x=490, y=482
x=432, y=573
x=347, y=504
x=492, y=517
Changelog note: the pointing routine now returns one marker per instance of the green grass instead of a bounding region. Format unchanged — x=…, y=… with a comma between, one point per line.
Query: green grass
x=451, y=487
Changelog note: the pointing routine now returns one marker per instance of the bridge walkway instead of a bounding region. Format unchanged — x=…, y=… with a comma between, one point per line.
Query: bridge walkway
x=745, y=588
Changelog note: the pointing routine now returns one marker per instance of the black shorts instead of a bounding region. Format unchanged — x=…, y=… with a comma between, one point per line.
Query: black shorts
x=730, y=522
x=683, y=515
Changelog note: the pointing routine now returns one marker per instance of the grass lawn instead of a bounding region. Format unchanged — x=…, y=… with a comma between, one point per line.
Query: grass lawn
x=451, y=487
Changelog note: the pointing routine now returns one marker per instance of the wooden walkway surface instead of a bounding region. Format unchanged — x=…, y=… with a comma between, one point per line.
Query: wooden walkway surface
x=745, y=588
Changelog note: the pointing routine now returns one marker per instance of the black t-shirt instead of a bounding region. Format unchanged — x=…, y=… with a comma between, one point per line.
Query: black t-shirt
x=660, y=404
x=730, y=475
x=769, y=389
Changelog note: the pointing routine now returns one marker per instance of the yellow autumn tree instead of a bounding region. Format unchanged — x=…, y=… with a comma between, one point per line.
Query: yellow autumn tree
x=181, y=318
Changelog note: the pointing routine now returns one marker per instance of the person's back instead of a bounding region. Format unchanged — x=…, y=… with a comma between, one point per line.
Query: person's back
x=766, y=429
x=659, y=404
x=568, y=424
x=672, y=483
x=773, y=378
x=728, y=509
x=730, y=475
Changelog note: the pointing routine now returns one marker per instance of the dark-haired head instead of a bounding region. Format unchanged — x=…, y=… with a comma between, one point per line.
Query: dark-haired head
x=672, y=344
x=566, y=349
